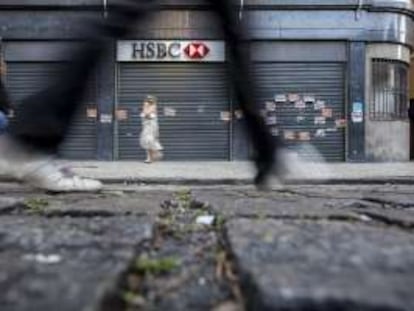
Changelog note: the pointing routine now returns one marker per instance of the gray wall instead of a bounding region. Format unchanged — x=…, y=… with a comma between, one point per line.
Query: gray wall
x=385, y=140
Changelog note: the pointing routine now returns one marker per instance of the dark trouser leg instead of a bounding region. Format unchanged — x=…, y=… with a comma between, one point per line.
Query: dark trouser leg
x=263, y=143
x=44, y=118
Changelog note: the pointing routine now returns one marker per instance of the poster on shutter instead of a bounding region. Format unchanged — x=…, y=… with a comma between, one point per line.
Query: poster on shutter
x=309, y=99
x=121, y=114
x=105, y=118
x=263, y=113
x=170, y=112
x=357, y=115
x=300, y=104
x=320, y=120
x=289, y=135
x=225, y=116
x=293, y=97
x=201, y=109
x=11, y=114
x=304, y=136
x=271, y=120
x=320, y=133
x=91, y=113
x=331, y=129
x=238, y=114
x=327, y=112
x=340, y=123
x=274, y=131
x=300, y=119
x=280, y=98
x=270, y=106
x=319, y=105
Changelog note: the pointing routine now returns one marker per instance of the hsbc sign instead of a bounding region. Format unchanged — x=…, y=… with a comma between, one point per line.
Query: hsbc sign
x=171, y=51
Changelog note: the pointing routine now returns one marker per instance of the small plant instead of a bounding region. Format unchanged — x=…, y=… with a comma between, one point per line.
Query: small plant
x=219, y=222
x=184, y=198
x=133, y=299
x=36, y=205
x=145, y=265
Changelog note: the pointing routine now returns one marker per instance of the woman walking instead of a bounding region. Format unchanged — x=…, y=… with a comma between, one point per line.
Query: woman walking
x=149, y=138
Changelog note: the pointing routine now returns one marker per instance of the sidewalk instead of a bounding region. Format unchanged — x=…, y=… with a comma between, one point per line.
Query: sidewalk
x=241, y=172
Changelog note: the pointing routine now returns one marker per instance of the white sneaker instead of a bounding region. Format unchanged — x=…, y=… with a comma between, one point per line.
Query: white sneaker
x=40, y=171
x=49, y=177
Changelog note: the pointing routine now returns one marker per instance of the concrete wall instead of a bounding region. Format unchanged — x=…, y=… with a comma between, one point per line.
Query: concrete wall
x=412, y=77
x=385, y=140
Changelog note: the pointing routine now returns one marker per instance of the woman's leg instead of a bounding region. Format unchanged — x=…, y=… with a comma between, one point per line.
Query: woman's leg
x=149, y=156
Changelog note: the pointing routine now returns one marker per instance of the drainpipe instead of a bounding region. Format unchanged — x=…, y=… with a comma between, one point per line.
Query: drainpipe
x=358, y=10
x=105, y=8
x=241, y=9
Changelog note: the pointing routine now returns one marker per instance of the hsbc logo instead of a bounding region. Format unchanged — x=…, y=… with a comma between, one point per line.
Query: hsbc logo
x=197, y=50
x=171, y=51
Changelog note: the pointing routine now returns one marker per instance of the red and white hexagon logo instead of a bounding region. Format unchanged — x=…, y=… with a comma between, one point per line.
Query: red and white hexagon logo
x=196, y=50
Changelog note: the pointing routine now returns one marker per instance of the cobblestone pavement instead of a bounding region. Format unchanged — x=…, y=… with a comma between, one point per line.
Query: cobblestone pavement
x=136, y=247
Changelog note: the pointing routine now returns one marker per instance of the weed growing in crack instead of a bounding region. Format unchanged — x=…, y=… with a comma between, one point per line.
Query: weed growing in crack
x=158, y=266
x=184, y=199
x=133, y=299
x=36, y=205
x=219, y=222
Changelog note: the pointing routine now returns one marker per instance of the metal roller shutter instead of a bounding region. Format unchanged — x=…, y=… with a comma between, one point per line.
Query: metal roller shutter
x=24, y=79
x=192, y=99
x=324, y=82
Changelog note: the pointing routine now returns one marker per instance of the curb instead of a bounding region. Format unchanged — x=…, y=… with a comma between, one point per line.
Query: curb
x=244, y=182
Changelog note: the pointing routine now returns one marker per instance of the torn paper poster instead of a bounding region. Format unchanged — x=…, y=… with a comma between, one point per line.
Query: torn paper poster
x=320, y=133
x=300, y=104
x=289, y=135
x=309, y=98
x=340, y=123
x=225, y=116
x=320, y=120
x=271, y=120
x=280, y=98
x=327, y=112
x=319, y=105
x=274, y=131
x=293, y=97
x=170, y=112
x=270, y=106
x=304, y=136
x=122, y=114
x=91, y=113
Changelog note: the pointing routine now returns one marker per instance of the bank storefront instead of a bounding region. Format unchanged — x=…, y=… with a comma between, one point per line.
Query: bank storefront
x=190, y=81
x=342, y=91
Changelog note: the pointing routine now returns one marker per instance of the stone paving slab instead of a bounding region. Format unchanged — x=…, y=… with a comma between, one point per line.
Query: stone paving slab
x=399, y=217
x=284, y=206
x=105, y=204
x=62, y=263
x=109, y=202
x=324, y=265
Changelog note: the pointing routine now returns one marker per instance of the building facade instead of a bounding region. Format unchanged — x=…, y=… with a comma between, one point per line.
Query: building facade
x=332, y=75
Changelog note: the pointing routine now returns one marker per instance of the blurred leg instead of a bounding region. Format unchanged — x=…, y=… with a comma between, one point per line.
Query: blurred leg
x=45, y=117
x=264, y=145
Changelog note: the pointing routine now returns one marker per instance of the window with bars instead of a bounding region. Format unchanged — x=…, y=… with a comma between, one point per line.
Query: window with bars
x=389, y=98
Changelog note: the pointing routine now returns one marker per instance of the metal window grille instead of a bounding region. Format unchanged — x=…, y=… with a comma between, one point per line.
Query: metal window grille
x=389, y=98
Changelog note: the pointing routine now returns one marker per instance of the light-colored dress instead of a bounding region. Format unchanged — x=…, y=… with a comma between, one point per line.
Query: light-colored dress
x=149, y=138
